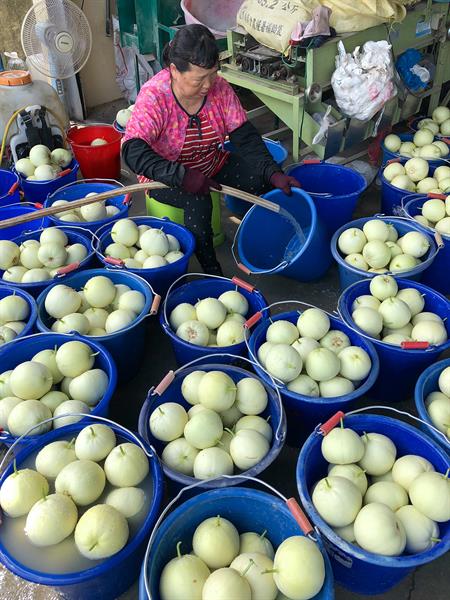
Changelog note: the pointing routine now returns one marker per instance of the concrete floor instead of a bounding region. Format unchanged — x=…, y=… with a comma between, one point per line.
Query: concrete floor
x=428, y=582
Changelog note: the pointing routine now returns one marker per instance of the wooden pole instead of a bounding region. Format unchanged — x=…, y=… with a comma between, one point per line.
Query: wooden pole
x=129, y=189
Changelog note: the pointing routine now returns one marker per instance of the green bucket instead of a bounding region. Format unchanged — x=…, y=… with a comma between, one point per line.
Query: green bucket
x=158, y=209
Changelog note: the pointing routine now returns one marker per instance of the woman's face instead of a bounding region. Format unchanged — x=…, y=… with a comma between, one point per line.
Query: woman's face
x=194, y=83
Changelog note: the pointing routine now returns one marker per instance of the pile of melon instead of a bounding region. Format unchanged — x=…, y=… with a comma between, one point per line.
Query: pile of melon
x=14, y=312
x=64, y=495
x=438, y=403
x=142, y=246
x=34, y=261
x=55, y=382
x=43, y=164
x=372, y=498
x=226, y=565
x=99, y=309
x=220, y=432
x=311, y=359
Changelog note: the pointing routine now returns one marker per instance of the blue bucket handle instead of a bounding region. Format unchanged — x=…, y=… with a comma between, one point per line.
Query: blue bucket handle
x=185, y=276
x=362, y=333
x=151, y=454
x=281, y=384
x=168, y=379
x=324, y=428
x=292, y=504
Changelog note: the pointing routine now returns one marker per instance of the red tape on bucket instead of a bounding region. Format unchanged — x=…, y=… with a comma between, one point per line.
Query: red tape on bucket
x=155, y=304
x=253, y=320
x=244, y=269
x=65, y=172
x=331, y=423
x=13, y=188
x=299, y=516
x=243, y=284
x=114, y=261
x=415, y=345
x=164, y=383
x=437, y=196
x=68, y=268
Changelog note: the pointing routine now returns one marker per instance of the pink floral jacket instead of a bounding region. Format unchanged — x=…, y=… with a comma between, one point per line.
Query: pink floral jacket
x=158, y=119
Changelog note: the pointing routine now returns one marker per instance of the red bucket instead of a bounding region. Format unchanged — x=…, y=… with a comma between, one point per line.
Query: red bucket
x=96, y=161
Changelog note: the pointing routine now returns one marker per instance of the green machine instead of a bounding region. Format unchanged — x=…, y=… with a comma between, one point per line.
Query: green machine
x=298, y=88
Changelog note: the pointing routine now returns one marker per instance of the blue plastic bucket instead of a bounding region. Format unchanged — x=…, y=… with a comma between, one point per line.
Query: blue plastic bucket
x=160, y=278
x=37, y=191
x=279, y=155
x=247, y=509
x=127, y=346
x=427, y=383
x=305, y=412
x=357, y=570
x=31, y=321
x=269, y=243
x=17, y=210
x=9, y=187
x=115, y=575
x=172, y=393
x=79, y=189
x=399, y=369
x=75, y=236
x=209, y=286
x=335, y=190
x=408, y=137
x=23, y=349
x=349, y=274
x=434, y=276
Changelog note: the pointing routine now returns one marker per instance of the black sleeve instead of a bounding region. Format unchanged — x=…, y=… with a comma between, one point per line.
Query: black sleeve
x=249, y=144
x=143, y=160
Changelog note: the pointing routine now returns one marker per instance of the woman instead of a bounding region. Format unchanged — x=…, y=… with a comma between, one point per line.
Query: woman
x=175, y=135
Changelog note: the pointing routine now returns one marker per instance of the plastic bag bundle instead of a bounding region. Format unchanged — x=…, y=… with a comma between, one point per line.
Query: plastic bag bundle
x=363, y=81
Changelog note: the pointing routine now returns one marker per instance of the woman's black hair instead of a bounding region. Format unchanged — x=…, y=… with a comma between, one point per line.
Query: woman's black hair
x=192, y=45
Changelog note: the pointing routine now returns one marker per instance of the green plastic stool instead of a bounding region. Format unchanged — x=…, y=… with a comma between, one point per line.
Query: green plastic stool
x=158, y=209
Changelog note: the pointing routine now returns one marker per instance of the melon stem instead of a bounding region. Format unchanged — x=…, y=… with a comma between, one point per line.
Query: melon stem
x=327, y=483
x=435, y=540
x=250, y=564
x=179, y=549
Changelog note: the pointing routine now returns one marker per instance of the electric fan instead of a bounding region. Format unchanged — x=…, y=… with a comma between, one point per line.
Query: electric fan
x=56, y=39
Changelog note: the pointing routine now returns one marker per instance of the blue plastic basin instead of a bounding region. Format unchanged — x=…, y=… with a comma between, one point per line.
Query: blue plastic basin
x=192, y=292
x=76, y=190
x=127, y=346
x=357, y=570
x=343, y=185
x=247, y=509
x=269, y=243
x=9, y=187
x=37, y=191
x=427, y=383
x=304, y=413
x=399, y=369
x=75, y=236
x=115, y=575
x=434, y=275
x=24, y=348
x=274, y=411
x=160, y=278
x=349, y=274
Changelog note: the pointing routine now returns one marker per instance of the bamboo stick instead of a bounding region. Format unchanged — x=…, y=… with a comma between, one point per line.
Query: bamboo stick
x=129, y=189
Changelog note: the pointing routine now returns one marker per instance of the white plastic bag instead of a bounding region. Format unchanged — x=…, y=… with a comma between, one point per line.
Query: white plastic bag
x=363, y=81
